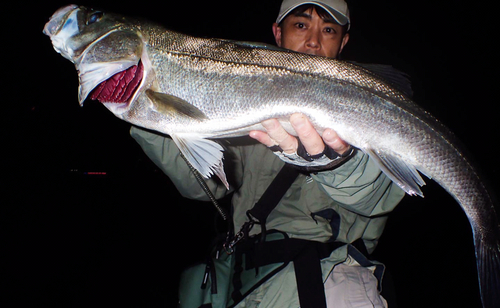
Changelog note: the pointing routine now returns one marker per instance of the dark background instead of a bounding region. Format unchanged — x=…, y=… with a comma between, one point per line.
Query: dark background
x=71, y=238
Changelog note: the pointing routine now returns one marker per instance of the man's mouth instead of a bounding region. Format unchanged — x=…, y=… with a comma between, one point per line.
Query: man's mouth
x=120, y=87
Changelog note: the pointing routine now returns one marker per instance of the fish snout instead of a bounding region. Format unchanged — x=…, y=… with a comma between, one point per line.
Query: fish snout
x=57, y=19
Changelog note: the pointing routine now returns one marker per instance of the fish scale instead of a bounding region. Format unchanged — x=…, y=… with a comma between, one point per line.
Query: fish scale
x=198, y=89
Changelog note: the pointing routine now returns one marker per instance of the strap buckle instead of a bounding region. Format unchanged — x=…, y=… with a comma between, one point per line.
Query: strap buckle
x=238, y=237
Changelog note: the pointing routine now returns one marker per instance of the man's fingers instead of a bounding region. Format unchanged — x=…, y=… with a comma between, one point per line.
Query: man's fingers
x=333, y=140
x=276, y=132
x=263, y=138
x=309, y=137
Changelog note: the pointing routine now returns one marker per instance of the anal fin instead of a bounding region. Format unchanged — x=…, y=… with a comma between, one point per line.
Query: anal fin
x=203, y=154
x=403, y=174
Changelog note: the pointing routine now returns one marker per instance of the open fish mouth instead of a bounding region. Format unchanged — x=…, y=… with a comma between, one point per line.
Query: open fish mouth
x=120, y=87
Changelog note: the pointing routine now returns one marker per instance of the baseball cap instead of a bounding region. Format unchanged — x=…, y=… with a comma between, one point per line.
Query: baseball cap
x=337, y=8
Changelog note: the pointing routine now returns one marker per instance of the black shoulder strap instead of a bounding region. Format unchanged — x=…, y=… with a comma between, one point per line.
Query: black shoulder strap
x=273, y=194
x=307, y=264
x=268, y=201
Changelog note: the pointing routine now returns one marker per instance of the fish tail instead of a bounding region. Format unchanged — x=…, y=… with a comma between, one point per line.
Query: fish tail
x=488, y=265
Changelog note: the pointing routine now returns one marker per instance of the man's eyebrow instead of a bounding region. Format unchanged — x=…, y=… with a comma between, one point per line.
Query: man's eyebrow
x=303, y=14
x=309, y=16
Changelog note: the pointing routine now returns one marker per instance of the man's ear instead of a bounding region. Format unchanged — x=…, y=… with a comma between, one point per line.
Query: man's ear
x=345, y=39
x=277, y=34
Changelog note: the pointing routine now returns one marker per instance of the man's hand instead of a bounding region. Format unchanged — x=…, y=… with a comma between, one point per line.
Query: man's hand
x=309, y=137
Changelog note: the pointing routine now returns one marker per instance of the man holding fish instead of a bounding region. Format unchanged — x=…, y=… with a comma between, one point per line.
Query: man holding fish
x=339, y=199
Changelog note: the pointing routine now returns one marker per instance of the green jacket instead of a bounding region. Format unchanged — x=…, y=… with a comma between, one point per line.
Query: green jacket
x=357, y=191
x=343, y=204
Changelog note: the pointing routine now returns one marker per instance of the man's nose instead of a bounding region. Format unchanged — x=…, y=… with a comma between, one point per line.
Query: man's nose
x=313, y=41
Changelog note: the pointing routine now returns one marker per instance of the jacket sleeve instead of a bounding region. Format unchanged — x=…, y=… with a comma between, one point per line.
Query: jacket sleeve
x=360, y=187
x=165, y=154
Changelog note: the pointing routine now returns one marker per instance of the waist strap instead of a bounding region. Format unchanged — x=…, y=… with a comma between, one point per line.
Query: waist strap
x=286, y=250
x=306, y=256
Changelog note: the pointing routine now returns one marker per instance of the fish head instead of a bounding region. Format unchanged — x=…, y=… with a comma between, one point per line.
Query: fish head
x=106, y=49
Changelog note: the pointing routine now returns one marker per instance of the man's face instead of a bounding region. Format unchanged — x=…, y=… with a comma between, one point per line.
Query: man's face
x=309, y=33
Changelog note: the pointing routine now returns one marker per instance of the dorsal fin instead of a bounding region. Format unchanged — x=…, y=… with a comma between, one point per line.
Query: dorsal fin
x=249, y=44
x=398, y=79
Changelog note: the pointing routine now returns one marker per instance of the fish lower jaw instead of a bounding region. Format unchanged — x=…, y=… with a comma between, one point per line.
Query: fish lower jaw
x=116, y=108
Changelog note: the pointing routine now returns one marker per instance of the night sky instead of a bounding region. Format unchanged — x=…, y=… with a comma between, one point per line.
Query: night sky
x=88, y=220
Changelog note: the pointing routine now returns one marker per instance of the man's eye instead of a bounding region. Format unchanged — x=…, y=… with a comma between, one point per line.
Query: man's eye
x=300, y=25
x=330, y=30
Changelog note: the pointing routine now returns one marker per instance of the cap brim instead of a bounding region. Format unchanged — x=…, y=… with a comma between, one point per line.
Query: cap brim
x=340, y=18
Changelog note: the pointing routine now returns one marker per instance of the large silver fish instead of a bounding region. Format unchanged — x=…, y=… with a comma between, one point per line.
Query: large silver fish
x=194, y=89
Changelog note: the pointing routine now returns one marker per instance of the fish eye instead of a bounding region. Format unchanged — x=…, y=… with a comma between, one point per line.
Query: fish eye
x=95, y=17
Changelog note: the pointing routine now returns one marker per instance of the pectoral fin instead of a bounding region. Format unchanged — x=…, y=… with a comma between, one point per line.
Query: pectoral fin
x=205, y=155
x=403, y=174
x=174, y=106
